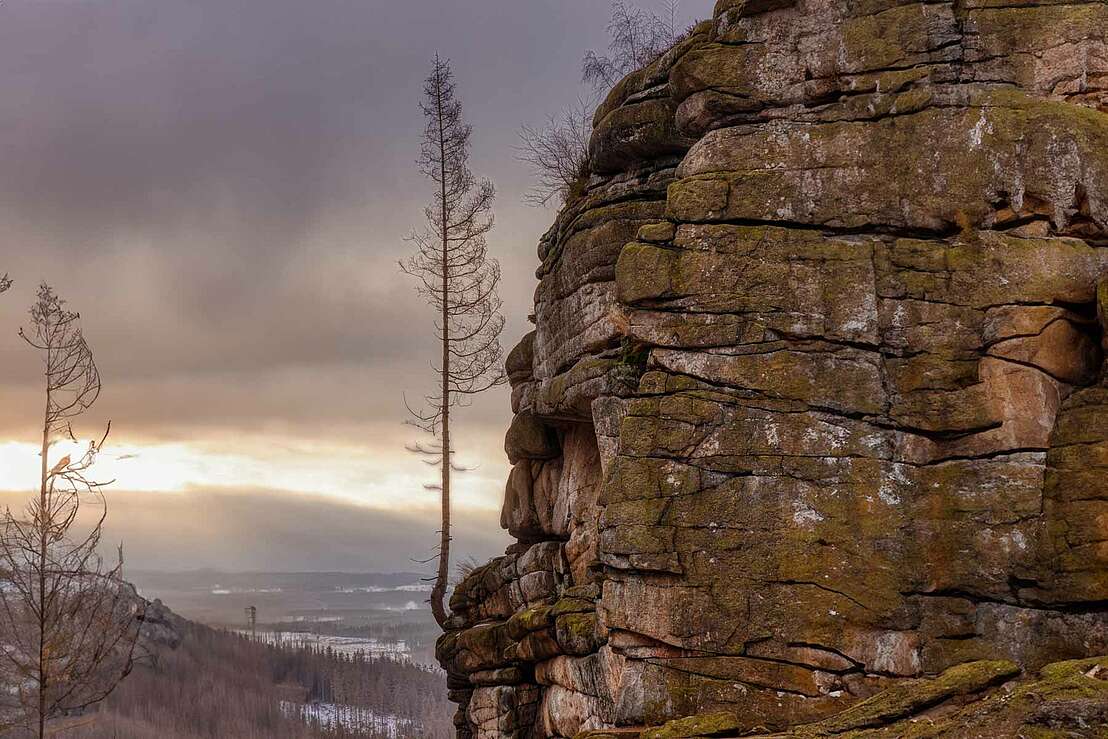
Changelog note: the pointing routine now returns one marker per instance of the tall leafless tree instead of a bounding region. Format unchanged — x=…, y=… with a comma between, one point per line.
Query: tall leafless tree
x=458, y=279
x=637, y=37
x=68, y=625
x=557, y=154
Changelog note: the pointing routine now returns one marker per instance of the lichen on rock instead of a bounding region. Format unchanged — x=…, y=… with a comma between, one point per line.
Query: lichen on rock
x=812, y=434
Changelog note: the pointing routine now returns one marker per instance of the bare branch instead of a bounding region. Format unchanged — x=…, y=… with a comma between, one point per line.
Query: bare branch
x=637, y=37
x=557, y=154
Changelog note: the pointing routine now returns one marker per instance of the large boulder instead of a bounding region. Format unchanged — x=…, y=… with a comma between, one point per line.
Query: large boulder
x=812, y=432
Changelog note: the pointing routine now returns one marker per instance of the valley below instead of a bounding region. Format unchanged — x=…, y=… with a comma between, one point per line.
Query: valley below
x=329, y=655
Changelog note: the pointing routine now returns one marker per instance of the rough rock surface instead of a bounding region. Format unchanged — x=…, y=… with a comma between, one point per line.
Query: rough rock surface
x=160, y=627
x=969, y=701
x=816, y=404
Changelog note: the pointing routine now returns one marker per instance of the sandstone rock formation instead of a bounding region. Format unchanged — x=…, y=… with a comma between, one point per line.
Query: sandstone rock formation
x=816, y=404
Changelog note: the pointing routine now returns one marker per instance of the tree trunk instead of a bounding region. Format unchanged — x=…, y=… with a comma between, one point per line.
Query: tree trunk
x=438, y=593
x=44, y=474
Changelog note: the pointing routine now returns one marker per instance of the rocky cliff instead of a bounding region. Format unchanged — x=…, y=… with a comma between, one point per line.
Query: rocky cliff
x=814, y=418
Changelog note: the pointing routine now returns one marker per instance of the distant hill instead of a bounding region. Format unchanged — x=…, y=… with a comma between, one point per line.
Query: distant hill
x=219, y=598
x=304, y=580
x=218, y=685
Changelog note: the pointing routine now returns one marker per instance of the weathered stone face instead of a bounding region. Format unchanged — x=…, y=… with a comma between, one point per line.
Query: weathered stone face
x=816, y=402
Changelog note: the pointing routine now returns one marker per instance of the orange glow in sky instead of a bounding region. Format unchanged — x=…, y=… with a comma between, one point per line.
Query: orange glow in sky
x=380, y=480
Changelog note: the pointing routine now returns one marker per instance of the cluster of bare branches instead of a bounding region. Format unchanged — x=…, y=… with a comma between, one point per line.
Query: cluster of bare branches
x=458, y=279
x=68, y=624
x=5, y=283
x=558, y=154
x=637, y=37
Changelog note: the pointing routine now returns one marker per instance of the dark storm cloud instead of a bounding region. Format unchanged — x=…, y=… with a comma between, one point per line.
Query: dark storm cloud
x=223, y=186
x=223, y=167
x=132, y=112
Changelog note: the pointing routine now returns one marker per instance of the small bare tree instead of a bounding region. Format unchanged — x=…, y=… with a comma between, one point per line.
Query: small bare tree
x=637, y=38
x=5, y=283
x=557, y=154
x=458, y=279
x=68, y=625
x=668, y=23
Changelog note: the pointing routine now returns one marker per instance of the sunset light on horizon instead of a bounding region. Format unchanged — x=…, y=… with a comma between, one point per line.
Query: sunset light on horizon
x=328, y=471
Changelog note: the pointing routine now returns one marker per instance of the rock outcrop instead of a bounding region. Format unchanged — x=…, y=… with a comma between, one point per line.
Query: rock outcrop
x=161, y=627
x=816, y=404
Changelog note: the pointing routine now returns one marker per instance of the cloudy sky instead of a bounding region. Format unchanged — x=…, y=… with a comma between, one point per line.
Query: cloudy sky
x=222, y=188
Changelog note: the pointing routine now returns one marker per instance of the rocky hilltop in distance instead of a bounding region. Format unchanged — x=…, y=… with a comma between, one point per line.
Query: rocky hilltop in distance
x=811, y=436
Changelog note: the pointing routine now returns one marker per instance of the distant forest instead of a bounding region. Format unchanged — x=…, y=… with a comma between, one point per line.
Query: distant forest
x=416, y=629
x=216, y=684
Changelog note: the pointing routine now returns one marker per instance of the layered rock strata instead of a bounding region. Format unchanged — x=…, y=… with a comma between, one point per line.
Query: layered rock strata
x=816, y=401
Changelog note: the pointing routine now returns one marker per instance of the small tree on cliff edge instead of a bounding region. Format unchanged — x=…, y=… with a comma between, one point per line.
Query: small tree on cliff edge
x=68, y=625
x=557, y=154
x=636, y=38
x=558, y=151
x=459, y=281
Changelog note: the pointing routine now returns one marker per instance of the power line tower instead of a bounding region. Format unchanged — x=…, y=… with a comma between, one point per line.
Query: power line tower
x=252, y=621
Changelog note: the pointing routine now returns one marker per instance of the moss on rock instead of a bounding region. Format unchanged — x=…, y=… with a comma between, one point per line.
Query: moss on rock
x=720, y=723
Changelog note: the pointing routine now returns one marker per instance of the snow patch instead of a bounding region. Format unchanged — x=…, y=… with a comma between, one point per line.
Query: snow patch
x=344, y=719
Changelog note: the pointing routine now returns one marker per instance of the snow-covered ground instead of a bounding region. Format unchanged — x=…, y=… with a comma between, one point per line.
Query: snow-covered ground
x=335, y=716
x=220, y=590
x=397, y=650
x=420, y=587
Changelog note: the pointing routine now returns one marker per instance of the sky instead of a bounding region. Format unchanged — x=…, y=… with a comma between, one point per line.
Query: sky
x=222, y=188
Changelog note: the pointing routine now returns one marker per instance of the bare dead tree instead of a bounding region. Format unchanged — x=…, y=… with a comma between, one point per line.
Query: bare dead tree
x=557, y=154
x=637, y=37
x=5, y=283
x=68, y=625
x=458, y=279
